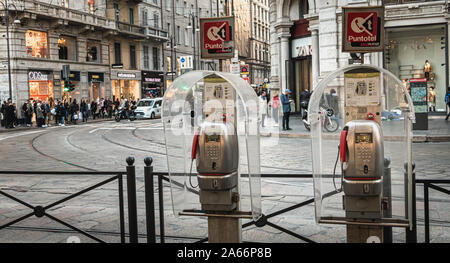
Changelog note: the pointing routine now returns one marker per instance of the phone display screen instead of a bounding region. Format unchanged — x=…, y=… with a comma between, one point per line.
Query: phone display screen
x=213, y=138
x=363, y=137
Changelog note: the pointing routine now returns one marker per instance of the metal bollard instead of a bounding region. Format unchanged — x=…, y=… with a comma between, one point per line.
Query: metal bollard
x=387, y=193
x=411, y=235
x=149, y=200
x=132, y=203
x=161, y=208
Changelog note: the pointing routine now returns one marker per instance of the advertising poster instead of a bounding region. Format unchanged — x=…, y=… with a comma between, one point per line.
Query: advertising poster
x=362, y=89
x=418, y=89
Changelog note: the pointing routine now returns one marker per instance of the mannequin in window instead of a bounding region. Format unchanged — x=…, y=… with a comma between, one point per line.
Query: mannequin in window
x=427, y=69
x=432, y=99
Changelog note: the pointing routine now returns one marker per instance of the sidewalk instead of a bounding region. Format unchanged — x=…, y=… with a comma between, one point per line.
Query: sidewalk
x=438, y=130
x=52, y=123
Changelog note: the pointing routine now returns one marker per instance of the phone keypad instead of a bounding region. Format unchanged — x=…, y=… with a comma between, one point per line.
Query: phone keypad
x=213, y=152
x=363, y=152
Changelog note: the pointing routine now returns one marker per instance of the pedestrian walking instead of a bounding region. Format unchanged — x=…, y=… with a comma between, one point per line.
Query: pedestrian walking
x=9, y=112
x=109, y=108
x=2, y=114
x=447, y=102
x=47, y=114
x=275, y=104
x=83, y=109
x=263, y=106
x=94, y=106
x=74, y=109
x=39, y=115
x=66, y=111
x=286, y=102
x=88, y=109
x=27, y=111
x=61, y=113
x=304, y=101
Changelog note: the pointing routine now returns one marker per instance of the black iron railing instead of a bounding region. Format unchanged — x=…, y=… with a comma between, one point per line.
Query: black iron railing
x=41, y=211
x=427, y=185
x=149, y=174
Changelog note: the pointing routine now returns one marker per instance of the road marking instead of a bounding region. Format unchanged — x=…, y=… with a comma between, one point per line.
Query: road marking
x=113, y=128
x=22, y=134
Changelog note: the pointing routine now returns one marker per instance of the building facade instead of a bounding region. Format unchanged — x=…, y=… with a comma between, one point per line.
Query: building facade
x=48, y=36
x=259, y=60
x=306, y=42
x=101, y=41
x=182, y=20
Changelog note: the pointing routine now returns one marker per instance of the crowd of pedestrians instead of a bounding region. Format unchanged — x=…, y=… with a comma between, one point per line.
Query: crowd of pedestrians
x=46, y=113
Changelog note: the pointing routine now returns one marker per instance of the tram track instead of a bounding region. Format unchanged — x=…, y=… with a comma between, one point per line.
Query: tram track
x=33, y=147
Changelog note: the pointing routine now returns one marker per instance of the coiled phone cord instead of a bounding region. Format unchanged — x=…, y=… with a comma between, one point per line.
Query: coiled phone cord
x=190, y=175
x=334, y=173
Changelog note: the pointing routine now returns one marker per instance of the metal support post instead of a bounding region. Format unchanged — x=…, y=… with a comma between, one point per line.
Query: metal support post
x=132, y=203
x=387, y=194
x=224, y=230
x=411, y=235
x=161, y=208
x=149, y=200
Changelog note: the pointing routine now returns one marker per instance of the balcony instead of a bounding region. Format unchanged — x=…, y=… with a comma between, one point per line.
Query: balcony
x=402, y=9
x=133, y=30
x=399, y=2
x=33, y=9
x=157, y=34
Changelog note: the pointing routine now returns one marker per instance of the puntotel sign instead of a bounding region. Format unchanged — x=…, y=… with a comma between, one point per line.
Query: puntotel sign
x=363, y=29
x=217, y=40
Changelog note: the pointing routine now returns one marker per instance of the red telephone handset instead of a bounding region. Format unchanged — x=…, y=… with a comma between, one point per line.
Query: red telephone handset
x=195, y=145
x=343, y=145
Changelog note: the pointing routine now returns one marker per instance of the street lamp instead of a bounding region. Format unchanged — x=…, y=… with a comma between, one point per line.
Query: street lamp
x=16, y=21
x=192, y=26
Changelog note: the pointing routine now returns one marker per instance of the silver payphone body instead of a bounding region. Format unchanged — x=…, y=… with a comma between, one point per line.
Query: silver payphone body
x=362, y=154
x=217, y=166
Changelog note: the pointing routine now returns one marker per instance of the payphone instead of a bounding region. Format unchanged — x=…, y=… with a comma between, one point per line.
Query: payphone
x=215, y=149
x=362, y=154
x=208, y=119
x=363, y=203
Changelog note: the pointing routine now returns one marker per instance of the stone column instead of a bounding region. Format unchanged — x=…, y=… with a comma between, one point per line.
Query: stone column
x=315, y=57
x=284, y=56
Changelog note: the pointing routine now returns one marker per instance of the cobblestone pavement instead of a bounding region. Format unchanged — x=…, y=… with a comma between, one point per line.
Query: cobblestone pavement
x=105, y=146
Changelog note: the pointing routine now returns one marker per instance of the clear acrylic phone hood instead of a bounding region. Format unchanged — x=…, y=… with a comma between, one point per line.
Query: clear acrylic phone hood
x=182, y=101
x=397, y=116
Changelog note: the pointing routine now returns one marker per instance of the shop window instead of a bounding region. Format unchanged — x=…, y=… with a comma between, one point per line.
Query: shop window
x=419, y=52
x=36, y=44
x=67, y=48
x=93, y=53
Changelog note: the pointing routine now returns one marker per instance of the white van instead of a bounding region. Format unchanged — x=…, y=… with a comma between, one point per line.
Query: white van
x=148, y=108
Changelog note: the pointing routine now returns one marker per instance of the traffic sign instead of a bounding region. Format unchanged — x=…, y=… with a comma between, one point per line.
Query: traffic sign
x=235, y=68
x=186, y=62
x=363, y=29
x=217, y=37
x=244, y=69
